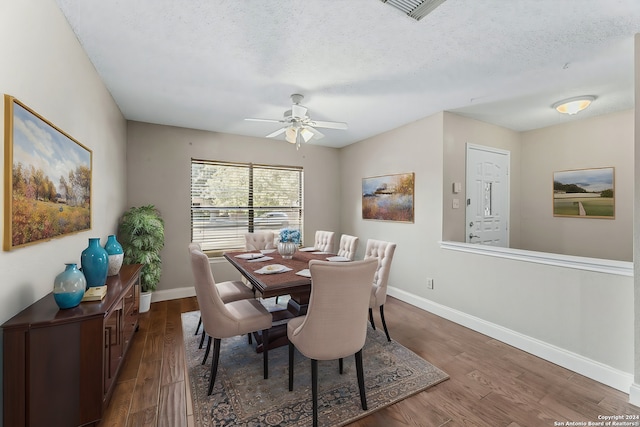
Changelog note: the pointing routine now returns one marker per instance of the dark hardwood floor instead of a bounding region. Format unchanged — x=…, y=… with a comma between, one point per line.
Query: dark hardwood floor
x=491, y=384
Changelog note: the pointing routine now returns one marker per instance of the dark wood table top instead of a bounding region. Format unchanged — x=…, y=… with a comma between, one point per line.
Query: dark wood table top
x=271, y=285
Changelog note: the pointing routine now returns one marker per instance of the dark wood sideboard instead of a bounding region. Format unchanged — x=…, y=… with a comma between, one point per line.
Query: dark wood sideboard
x=60, y=366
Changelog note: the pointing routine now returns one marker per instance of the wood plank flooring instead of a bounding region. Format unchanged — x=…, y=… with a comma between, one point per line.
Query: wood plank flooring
x=491, y=384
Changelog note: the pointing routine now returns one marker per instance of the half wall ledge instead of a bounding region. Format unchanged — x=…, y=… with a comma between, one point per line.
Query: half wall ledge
x=621, y=268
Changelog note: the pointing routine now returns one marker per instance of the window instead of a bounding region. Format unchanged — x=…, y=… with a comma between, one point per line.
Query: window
x=230, y=199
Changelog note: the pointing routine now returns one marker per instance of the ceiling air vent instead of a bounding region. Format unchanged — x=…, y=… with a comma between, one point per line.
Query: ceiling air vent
x=416, y=9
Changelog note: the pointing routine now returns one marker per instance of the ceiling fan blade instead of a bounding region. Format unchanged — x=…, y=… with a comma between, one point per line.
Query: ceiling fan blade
x=328, y=125
x=298, y=111
x=265, y=120
x=316, y=133
x=276, y=133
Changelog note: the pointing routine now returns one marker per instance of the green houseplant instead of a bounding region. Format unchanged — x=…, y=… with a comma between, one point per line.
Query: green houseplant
x=141, y=234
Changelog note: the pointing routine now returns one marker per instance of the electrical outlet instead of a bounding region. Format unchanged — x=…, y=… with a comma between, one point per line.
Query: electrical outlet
x=429, y=283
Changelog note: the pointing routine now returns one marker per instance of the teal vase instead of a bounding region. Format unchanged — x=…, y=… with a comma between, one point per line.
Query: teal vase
x=115, y=254
x=69, y=286
x=95, y=263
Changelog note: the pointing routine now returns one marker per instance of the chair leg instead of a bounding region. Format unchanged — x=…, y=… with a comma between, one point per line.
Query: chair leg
x=373, y=325
x=291, y=351
x=214, y=364
x=206, y=352
x=265, y=352
x=199, y=324
x=360, y=371
x=341, y=364
x=202, y=338
x=384, y=324
x=277, y=299
x=249, y=338
x=314, y=390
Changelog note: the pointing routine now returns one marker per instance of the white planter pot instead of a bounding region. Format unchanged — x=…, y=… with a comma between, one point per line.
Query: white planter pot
x=145, y=301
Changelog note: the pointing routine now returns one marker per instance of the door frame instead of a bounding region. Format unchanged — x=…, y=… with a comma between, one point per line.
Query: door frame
x=507, y=197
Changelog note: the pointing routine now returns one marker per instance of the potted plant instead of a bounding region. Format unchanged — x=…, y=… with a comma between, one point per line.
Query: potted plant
x=141, y=234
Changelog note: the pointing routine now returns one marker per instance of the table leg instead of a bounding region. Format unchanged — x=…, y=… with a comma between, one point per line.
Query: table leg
x=298, y=304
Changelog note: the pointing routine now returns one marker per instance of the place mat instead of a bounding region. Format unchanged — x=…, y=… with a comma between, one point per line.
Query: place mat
x=273, y=269
x=304, y=273
x=262, y=259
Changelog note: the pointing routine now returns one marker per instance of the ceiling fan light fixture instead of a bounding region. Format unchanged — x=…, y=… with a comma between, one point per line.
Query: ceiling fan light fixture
x=306, y=134
x=291, y=135
x=573, y=105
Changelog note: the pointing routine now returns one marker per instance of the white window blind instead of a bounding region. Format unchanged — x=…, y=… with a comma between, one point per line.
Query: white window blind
x=230, y=199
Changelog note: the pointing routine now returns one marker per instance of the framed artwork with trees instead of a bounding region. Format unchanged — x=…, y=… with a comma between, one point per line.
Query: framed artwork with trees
x=47, y=182
x=584, y=193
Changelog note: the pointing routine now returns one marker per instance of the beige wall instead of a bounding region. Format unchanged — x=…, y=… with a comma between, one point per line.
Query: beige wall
x=535, y=155
x=635, y=390
x=573, y=317
x=605, y=141
x=44, y=66
x=458, y=131
x=159, y=173
x=414, y=148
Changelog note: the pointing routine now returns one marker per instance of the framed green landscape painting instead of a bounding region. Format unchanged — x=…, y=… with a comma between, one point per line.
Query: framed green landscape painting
x=584, y=193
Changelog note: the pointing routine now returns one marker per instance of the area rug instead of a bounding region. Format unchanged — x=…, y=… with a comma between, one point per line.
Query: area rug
x=242, y=397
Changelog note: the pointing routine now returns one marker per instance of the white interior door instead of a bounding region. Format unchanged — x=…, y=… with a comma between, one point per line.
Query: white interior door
x=487, y=213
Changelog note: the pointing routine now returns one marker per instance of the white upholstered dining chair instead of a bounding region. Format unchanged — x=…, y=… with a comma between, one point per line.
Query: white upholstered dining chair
x=231, y=290
x=348, y=246
x=383, y=252
x=222, y=320
x=335, y=325
x=259, y=240
x=324, y=241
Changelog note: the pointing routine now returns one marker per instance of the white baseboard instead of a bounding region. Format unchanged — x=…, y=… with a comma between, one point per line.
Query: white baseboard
x=634, y=394
x=597, y=371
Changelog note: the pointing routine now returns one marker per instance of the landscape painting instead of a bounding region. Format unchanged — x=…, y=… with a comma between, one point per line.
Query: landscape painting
x=47, y=179
x=584, y=193
x=388, y=198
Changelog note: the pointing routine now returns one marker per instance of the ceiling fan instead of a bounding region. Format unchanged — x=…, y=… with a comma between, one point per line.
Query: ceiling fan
x=299, y=127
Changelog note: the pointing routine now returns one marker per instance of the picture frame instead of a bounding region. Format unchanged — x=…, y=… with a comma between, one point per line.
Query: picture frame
x=389, y=197
x=47, y=182
x=584, y=193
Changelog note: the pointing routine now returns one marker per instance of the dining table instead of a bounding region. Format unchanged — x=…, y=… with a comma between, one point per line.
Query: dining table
x=292, y=279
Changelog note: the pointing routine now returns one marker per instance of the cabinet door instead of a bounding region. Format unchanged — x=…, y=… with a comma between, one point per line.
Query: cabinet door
x=131, y=307
x=113, y=344
x=62, y=362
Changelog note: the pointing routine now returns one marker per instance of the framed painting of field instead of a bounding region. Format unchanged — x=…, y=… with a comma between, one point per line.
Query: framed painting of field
x=584, y=193
x=47, y=182
x=388, y=197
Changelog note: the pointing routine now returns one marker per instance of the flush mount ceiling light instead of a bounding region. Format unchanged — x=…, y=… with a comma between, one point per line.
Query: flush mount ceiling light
x=574, y=105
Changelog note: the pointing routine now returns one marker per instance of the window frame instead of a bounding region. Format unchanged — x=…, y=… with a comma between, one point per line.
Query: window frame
x=198, y=211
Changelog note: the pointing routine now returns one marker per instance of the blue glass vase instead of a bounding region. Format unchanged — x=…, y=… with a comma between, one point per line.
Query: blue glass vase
x=115, y=254
x=95, y=263
x=69, y=286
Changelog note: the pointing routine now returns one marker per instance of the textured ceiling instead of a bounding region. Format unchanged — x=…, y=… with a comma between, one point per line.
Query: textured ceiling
x=208, y=64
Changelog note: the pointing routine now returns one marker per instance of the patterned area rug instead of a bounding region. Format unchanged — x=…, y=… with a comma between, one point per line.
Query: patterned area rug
x=242, y=397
